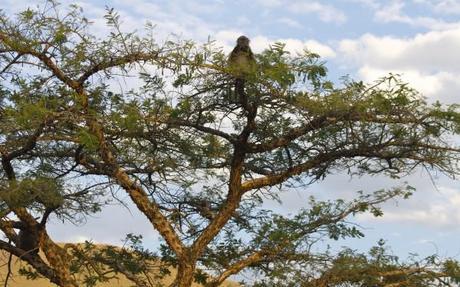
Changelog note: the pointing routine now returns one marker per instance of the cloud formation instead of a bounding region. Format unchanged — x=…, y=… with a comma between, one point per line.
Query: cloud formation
x=424, y=60
x=393, y=12
x=325, y=12
x=290, y=22
x=439, y=212
x=449, y=7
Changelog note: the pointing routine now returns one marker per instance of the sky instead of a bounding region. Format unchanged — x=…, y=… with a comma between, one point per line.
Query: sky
x=365, y=39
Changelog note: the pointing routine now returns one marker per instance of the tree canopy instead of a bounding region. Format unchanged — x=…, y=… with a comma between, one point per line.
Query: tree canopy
x=199, y=161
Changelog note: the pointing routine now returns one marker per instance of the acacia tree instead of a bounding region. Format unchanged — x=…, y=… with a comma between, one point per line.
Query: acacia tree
x=197, y=160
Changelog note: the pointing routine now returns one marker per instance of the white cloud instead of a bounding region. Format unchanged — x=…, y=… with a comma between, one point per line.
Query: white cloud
x=447, y=7
x=440, y=211
x=394, y=13
x=295, y=46
x=171, y=18
x=432, y=207
x=369, y=3
x=427, y=60
x=434, y=86
x=140, y=7
x=269, y=3
x=323, y=50
x=431, y=51
x=290, y=22
x=441, y=6
x=326, y=13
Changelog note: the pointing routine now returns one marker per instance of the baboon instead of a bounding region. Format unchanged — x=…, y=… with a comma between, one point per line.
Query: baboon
x=241, y=60
x=28, y=240
x=28, y=236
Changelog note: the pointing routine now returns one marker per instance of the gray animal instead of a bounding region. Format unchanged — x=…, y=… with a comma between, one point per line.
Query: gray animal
x=28, y=236
x=241, y=61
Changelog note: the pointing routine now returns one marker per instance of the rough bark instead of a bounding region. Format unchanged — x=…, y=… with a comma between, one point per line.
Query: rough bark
x=185, y=273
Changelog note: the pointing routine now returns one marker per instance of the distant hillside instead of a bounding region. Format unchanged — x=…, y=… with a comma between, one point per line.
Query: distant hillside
x=20, y=281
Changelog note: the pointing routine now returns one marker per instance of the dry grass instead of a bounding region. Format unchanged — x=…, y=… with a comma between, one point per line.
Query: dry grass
x=17, y=280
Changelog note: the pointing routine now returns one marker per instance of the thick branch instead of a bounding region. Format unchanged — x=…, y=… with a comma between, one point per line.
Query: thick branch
x=405, y=273
x=35, y=261
x=26, y=50
x=7, y=229
x=234, y=188
x=227, y=209
x=151, y=210
x=56, y=256
x=277, y=178
x=236, y=268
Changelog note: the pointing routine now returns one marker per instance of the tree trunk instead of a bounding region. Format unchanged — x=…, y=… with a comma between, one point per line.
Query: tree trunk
x=185, y=272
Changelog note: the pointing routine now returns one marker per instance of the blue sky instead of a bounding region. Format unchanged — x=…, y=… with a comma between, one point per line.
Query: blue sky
x=420, y=39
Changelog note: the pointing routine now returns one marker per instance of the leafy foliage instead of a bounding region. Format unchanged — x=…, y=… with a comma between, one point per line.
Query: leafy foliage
x=197, y=159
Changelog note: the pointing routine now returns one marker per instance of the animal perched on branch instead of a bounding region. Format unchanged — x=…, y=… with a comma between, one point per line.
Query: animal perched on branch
x=28, y=236
x=241, y=61
x=28, y=239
